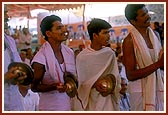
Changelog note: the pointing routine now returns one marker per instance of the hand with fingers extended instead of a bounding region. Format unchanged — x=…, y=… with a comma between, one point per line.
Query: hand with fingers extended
x=14, y=75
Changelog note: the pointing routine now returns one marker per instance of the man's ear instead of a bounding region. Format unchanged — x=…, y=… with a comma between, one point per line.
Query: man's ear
x=48, y=33
x=94, y=35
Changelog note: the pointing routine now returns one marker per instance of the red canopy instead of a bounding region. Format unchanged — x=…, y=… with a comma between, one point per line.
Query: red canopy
x=23, y=10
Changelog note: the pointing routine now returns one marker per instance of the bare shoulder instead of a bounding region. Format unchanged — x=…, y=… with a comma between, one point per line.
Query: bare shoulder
x=128, y=50
x=127, y=41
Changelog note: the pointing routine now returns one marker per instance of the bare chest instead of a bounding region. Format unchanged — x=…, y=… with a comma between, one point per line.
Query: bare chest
x=148, y=41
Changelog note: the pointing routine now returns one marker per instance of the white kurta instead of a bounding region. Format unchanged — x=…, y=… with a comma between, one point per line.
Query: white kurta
x=30, y=101
x=91, y=65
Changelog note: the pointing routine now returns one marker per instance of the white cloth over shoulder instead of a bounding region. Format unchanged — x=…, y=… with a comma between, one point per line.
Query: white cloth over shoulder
x=152, y=87
x=54, y=73
x=91, y=65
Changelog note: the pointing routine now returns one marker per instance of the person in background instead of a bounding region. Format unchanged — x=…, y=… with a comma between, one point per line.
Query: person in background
x=158, y=31
x=50, y=63
x=16, y=36
x=12, y=100
x=125, y=97
x=29, y=99
x=29, y=54
x=158, y=28
x=23, y=57
x=92, y=64
x=121, y=66
x=11, y=30
x=143, y=57
x=25, y=39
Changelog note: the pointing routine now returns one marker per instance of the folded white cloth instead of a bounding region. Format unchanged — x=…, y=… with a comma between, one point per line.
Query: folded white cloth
x=152, y=84
x=52, y=64
x=53, y=74
x=91, y=65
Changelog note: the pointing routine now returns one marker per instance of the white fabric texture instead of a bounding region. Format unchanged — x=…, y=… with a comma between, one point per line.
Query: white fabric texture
x=91, y=65
x=152, y=87
x=54, y=100
x=30, y=101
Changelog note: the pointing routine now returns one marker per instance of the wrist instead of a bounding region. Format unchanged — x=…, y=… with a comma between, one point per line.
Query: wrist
x=156, y=65
x=54, y=86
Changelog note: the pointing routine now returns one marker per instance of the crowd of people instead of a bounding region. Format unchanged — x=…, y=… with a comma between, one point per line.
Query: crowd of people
x=94, y=78
x=22, y=36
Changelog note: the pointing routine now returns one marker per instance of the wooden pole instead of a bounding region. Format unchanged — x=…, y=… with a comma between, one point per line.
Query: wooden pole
x=83, y=15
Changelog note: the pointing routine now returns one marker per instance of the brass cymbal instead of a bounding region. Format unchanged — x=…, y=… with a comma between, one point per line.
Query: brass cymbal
x=107, y=84
x=71, y=83
x=22, y=67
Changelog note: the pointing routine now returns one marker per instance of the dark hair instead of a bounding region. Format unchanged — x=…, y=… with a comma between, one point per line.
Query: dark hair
x=131, y=11
x=96, y=25
x=156, y=23
x=47, y=24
